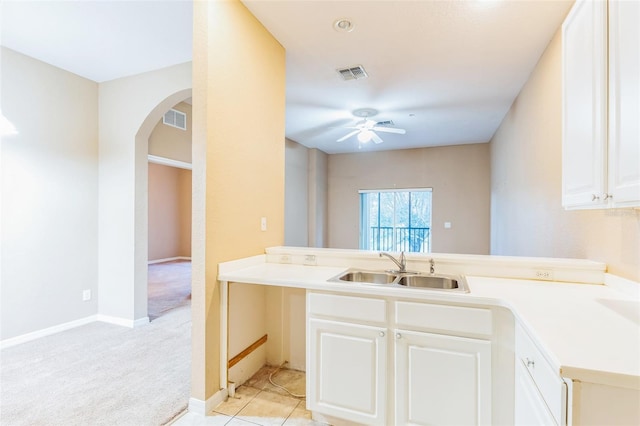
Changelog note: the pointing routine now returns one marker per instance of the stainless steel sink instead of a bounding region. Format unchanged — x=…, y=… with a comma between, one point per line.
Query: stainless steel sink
x=425, y=281
x=367, y=277
x=430, y=281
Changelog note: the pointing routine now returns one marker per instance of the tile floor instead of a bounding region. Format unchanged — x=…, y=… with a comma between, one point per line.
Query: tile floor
x=258, y=402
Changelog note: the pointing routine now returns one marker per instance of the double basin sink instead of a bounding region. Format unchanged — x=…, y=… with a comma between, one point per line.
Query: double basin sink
x=455, y=283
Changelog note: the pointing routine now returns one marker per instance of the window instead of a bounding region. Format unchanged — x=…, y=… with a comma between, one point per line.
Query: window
x=396, y=220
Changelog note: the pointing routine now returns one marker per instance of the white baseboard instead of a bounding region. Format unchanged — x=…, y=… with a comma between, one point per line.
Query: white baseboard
x=6, y=343
x=124, y=322
x=168, y=259
x=202, y=408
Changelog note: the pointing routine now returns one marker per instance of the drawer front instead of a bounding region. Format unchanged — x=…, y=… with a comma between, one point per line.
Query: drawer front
x=347, y=307
x=459, y=319
x=552, y=388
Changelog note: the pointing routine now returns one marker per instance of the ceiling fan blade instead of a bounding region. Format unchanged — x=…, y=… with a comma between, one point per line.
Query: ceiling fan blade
x=375, y=138
x=348, y=135
x=390, y=130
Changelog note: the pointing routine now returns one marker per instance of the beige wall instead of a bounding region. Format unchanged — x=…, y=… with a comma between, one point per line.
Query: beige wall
x=459, y=176
x=49, y=196
x=296, y=195
x=238, y=177
x=317, y=195
x=170, y=142
x=526, y=185
x=169, y=212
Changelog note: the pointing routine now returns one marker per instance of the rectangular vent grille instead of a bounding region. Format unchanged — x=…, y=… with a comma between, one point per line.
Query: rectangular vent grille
x=176, y=119
x=353, y=73
x=386, y=123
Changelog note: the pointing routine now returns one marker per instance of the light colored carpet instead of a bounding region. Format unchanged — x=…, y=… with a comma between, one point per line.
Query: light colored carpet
x=169, y=286
x=99, y=374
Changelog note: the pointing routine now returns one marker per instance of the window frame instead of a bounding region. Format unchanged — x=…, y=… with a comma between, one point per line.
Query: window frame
x=364, y=237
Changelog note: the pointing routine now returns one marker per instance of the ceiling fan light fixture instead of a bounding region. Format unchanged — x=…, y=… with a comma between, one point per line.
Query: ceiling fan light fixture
x=365, y=136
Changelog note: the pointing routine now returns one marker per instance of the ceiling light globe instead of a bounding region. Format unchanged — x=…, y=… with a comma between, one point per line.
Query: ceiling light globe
x=365, y=136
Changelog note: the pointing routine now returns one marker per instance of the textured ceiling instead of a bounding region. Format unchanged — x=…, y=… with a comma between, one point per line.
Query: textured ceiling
x=446, y=71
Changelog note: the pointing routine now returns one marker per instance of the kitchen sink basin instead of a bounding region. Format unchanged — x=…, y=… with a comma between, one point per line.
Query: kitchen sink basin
x=425, y=281
x=430, y=281
x=367, y=277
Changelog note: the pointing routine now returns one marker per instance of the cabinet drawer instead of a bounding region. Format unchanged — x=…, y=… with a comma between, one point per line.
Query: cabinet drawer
x=347, y=307
x=459, y=319
x=547, y=380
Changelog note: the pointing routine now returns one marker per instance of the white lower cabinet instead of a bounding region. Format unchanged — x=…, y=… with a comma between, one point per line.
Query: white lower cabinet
x=361, y=361
x=540, y=393
x=442, y=380
x=348, y=371
x=530, y=409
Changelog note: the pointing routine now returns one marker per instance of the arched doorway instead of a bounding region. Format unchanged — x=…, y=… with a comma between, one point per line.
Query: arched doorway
x=141, y=198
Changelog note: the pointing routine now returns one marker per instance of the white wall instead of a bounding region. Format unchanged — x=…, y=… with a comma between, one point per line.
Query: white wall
x=527, y=218
x=49, y=196
x=129, y=109
x=459, y=176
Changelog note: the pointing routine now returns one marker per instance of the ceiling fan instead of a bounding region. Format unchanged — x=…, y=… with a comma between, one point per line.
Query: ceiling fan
x=367, y=128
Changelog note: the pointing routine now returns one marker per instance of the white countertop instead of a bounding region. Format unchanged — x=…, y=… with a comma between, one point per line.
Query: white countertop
x=589, y=332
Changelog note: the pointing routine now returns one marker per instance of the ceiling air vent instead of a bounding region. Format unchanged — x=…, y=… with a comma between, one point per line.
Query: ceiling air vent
x=353, y=73
x=175, y=118
x=386, y=123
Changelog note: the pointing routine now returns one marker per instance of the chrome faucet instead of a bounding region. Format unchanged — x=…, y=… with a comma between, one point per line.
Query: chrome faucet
x=432, y=266
x=401, y=262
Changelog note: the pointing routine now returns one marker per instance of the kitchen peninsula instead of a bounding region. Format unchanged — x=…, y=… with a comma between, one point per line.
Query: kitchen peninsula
x=535, y=340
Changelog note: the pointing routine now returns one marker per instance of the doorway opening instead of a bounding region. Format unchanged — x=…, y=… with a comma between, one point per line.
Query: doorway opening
x=169, y=212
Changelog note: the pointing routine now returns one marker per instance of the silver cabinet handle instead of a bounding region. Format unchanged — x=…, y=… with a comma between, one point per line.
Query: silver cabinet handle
x=594, y=197
x=530, y=363
x=607, y=196
x=382, y=334
x=398, y=336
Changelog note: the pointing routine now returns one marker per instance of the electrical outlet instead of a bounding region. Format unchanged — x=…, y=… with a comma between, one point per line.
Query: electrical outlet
x=285, y=258
x=86, y=295
x=544, y=274
x=310, y=259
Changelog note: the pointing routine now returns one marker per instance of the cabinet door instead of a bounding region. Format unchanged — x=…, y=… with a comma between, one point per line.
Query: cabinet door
x=348, y=365
x=584, y=84
x=442, y=380
x=624, y=103
x=530, y=408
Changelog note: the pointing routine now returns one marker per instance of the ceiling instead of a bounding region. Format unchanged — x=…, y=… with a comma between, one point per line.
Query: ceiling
x=447, y=71
x=100, y=40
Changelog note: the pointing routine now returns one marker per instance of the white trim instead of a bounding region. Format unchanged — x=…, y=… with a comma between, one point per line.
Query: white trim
x=367, y=191
x=13, y=341
x=224, y=329
x=169, y=259
x=169, y=162
x=201, y=407
x=124, y=322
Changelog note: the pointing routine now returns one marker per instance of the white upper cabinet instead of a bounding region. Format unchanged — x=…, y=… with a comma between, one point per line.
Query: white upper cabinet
x=601, y=96
x=624, y=102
